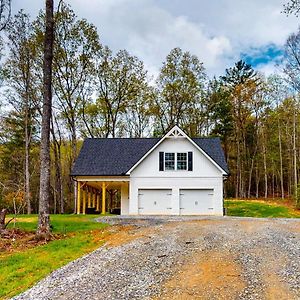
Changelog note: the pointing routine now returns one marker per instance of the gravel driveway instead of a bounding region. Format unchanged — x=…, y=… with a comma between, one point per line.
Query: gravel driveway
x=189, y=258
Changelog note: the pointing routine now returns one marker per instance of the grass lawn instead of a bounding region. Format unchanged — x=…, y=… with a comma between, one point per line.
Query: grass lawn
x=260, y=209
x=23, y=264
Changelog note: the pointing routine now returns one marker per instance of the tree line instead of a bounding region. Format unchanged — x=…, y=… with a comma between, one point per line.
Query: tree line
x=99, y=93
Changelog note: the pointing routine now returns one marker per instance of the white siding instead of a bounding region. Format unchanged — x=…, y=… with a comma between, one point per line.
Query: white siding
x=205, y=175
x=202, y=167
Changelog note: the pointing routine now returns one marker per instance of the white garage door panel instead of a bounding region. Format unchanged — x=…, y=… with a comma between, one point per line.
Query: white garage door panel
x=196, y=202
x=155, y=201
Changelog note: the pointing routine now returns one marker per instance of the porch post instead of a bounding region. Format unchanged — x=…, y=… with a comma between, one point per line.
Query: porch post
x=94, y=198
x=78, y=197
x=98, y=202
x=84, y=201
x=103, y=198
x=89, y=197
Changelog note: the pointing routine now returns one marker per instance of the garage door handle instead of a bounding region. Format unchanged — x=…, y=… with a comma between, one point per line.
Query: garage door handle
x=181, y=207
x=210, y=208
x=141, y=207
x=169, y=207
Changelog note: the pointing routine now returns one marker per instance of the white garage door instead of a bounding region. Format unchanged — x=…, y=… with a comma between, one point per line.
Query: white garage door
x=196, y=202
x=155, y=201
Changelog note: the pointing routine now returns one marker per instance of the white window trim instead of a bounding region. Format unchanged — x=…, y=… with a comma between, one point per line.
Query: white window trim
x=175, y=162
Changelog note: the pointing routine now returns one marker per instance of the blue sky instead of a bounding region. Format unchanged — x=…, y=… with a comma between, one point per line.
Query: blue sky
x=265, y=55
x=219, y=32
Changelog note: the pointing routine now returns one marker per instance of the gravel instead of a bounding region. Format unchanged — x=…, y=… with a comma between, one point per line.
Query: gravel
x=139, y=268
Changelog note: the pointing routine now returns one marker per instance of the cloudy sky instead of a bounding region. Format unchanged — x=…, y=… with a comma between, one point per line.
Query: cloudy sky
x=219, y=32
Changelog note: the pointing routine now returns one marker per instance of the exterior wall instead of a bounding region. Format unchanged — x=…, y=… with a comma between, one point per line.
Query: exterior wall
x=176, y=184
x=202, y=167
x=205, y=175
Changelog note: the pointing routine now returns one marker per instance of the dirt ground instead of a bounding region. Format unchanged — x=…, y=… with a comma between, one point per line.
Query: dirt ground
x=14, y=240
x=225, y=258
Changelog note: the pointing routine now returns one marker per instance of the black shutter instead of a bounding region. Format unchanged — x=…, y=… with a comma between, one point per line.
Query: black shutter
x=190, y=161
x=161, y=161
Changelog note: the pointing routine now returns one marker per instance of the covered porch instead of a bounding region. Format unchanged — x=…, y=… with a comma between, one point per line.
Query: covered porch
x=102, y=195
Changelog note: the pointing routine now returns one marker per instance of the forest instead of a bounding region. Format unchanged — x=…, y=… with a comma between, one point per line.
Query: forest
x=99, y=93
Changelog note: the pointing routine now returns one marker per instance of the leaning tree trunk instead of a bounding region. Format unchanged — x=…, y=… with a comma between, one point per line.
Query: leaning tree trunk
x=44, y=201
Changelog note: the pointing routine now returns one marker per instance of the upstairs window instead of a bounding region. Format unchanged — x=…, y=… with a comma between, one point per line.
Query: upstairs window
x=175, y=161
x=182, y=161
x=169, y=161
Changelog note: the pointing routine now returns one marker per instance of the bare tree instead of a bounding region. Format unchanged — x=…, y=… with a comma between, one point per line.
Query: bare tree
x=292, y=7
x=5, y=13
x=44, y=200
x=121, y=79
x=18, y=71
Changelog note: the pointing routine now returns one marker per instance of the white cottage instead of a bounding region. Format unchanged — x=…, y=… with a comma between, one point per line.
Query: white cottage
x=172, y=175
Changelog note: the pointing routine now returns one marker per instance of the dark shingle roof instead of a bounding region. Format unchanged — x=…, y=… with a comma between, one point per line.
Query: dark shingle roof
x=212, y=147
x=115, y=156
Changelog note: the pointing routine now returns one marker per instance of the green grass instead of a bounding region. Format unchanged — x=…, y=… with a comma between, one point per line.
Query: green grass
x=259, y=209
x=22, y=268
x=60, y=223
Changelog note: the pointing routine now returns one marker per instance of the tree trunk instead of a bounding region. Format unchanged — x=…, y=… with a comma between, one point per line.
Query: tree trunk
x=250, y=177
x=295, y=158
x=265, y=163
x=256, y=182
x=58, y=171
x=281, y=163
x=265, y=174
x=3, y=213
x=27, y=172
x=73, y=156
x=44, y=201
x=59, y=181
x=238, y=169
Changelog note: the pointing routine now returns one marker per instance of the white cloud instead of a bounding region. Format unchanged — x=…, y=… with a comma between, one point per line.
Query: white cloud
x=268, y=69
x=217, y=31
x=150, y=32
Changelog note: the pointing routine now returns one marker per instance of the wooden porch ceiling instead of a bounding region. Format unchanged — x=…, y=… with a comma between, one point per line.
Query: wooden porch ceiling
x=108, y=184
